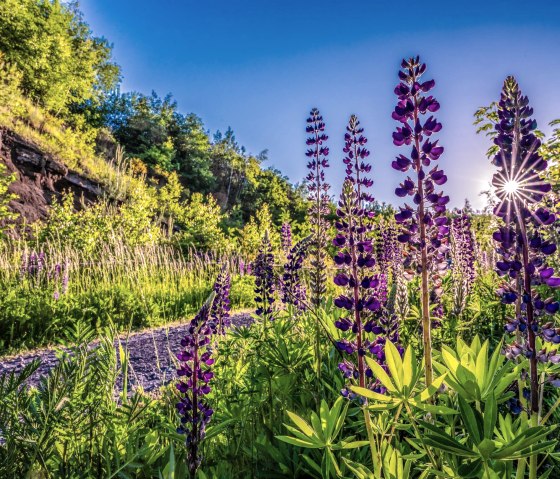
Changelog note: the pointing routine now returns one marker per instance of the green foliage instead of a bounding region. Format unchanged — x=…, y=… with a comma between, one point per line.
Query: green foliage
x=130, y=286
x=474, y=375
x=60, y=62
x=484, y=453
x=201, y=219
x=6, y=214
x=71, y=426
x=253, y=232
x=322, y=434
x=91, y=228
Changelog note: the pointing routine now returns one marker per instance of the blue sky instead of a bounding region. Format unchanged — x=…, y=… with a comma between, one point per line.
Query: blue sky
x=259, y=66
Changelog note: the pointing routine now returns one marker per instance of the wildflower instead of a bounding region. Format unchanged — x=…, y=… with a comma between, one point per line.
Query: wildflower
x=318, y=196
x=220, y=310
x=424, y=225
x=263, y=270
x=365, y=293
x=286, y=236
x=463, y=259
x=522, y=244
x=293, y=289
x=389, y=250
x=195, y=374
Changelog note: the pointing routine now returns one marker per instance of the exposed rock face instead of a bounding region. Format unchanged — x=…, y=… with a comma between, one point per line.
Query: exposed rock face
x=40, y=178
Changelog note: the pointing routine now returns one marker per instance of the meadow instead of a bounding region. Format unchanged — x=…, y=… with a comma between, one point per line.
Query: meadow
x=417, y=342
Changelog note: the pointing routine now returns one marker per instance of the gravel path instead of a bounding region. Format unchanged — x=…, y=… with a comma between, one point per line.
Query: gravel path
x=151, y=356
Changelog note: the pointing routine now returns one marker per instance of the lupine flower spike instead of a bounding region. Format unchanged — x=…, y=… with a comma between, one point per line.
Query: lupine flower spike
x=319, y=198
x=286, y=236
x=365, y=292
x=263, y=270
x=219, y=312
x=463, y=257
x=424, y=225
x=293, y=288
x=195, y=374
x=523, y=247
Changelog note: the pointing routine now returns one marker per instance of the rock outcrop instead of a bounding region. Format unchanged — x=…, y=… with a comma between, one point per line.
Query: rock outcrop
x=40, y=179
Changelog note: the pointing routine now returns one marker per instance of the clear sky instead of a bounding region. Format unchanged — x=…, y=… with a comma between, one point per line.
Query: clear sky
x=259, y=66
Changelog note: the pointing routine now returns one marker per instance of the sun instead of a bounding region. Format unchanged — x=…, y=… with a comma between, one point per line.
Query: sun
x=511, y=187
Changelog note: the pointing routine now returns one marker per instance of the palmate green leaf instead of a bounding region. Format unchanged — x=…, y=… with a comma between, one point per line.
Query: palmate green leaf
x=301, y=423
x=471, y=420
x=481, y=364
x=369, y=394
x=444, y=441
x=526, y=439
x=359, y=470
x=430, y=390
x=300, y=442
x=490, y=416
x=486, y=448
x=337, y=417
x=451, y=379
x=541, y=448
x=351, y=444
x=434, y=409
x=381, y=375
x=300, y=435
x=312, y=464
x=318, y=423
x=329, y=461
x=449, y=445
x=395, y=364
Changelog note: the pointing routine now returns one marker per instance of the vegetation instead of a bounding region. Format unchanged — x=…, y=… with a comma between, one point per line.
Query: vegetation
x=416, y=342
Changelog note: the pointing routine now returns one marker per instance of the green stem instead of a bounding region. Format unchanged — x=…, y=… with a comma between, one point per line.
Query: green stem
x=533, y=465
x=552, y=409
x=419, y=436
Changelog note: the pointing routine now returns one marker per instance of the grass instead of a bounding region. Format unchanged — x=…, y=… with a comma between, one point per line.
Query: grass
x=130, y=287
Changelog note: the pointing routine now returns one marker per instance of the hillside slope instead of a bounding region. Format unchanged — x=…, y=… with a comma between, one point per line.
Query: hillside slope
x=40, y=178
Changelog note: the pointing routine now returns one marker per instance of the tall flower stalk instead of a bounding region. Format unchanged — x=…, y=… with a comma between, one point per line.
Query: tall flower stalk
x=286, y=237
x=293, y=287
x=220, y=309
x=523, y=245
x=195, y=374
x=263, y=271
x=319, y=199
x=424, y=225
x=365, y=293
x=463, y=257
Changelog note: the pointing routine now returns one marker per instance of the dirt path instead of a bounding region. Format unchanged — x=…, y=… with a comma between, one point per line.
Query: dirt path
x=151, y=353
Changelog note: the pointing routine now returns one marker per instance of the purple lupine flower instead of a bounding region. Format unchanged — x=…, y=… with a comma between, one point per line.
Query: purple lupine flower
x=65, y=278
x=365, y=293
x=319, y=198
x=263, y=270
x=424, y=225
x=463, y=248
x=220, y=310
x=463, y=259
x=241, y=267
x=399, y=305
x=33, y=265
x=293, y=288
x=195, y=374
x=286, y=236
x=522, y=245
x=389, y=250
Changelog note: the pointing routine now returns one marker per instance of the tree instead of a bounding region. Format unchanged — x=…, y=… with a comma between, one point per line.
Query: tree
x=200, y=219
x=61, y=62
